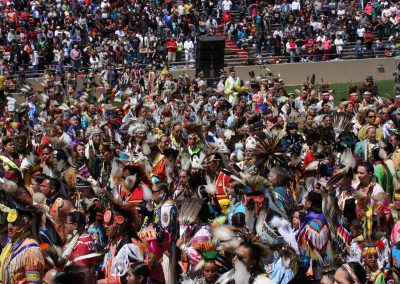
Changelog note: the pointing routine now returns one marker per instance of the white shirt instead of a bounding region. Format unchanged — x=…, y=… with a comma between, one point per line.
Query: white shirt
x=35, y=58
x=339, y=43
x=181, y=10
x=120, y=33
x=188, y=46
x=211, y=23
x=295, y=5
x=276, y=33
x=360, y=32
x=226, y=5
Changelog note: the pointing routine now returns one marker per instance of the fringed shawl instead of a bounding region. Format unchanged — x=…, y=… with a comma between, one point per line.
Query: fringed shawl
x=26, y=257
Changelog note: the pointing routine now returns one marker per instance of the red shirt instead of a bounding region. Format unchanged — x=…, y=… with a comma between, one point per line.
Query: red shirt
x=309, y=158
x=85, y=245
x=226, y=17
x=172, y=46
x=25, y=16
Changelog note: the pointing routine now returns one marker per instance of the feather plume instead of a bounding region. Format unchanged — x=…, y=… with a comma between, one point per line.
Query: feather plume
x=147, y=194
x=210, y=187
x=240, y=155
x=312, y=81
x=146, y=149
x=168, y=172
x=309, y=183
x=30, y=161
x=285, y=230
x=347, y=158
x=61, y=166
x=359, y=195
x=130, y=181
x=116, y=174
x=185, y=161
x=226, y=237
x=329, y=207
x=321, y=135
x=10, y=188
x=228, y=134
x=151, y=138
x=199, y=265
x=315, y=255
x=223, y=233
x=54, y=257
x=121, y=262
x=313, y=166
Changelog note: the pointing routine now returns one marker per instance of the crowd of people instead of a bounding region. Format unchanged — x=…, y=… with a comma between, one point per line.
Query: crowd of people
x=319, y=30
x=35, y=35
x=141, y=177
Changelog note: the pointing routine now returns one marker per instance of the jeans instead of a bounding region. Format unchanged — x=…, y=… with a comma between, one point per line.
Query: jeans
x=258, y=48
x=188, y=56
x=292, y=55
x=76, y=64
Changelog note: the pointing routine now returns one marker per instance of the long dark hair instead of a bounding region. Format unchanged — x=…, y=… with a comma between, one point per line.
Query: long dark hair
x=358, y=270
x=140, y=269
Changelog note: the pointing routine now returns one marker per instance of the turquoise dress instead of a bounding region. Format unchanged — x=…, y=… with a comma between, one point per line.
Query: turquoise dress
x=236, y=207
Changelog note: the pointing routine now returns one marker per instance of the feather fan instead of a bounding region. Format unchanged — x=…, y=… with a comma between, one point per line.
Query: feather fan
x=341, y=122
x=190, y=209
x=266, y=153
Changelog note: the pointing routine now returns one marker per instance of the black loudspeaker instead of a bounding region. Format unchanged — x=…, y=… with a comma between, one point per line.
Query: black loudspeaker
x=210, y=55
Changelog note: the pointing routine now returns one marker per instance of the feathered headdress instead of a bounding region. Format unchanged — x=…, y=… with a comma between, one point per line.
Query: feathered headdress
x=352, y=90
x=320, y=135
x=253, y=185
x=207, y=250
x=62, y=151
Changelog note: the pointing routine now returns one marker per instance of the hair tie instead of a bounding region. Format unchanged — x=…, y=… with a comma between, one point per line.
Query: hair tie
x=350, y=270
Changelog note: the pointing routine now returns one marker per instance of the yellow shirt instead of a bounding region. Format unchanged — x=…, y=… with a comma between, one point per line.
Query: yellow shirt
x=188, y=6
x=362, y=133
x=2, y=82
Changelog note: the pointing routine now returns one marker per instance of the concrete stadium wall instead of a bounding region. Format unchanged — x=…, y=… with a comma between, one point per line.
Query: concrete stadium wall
x=330, y=72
